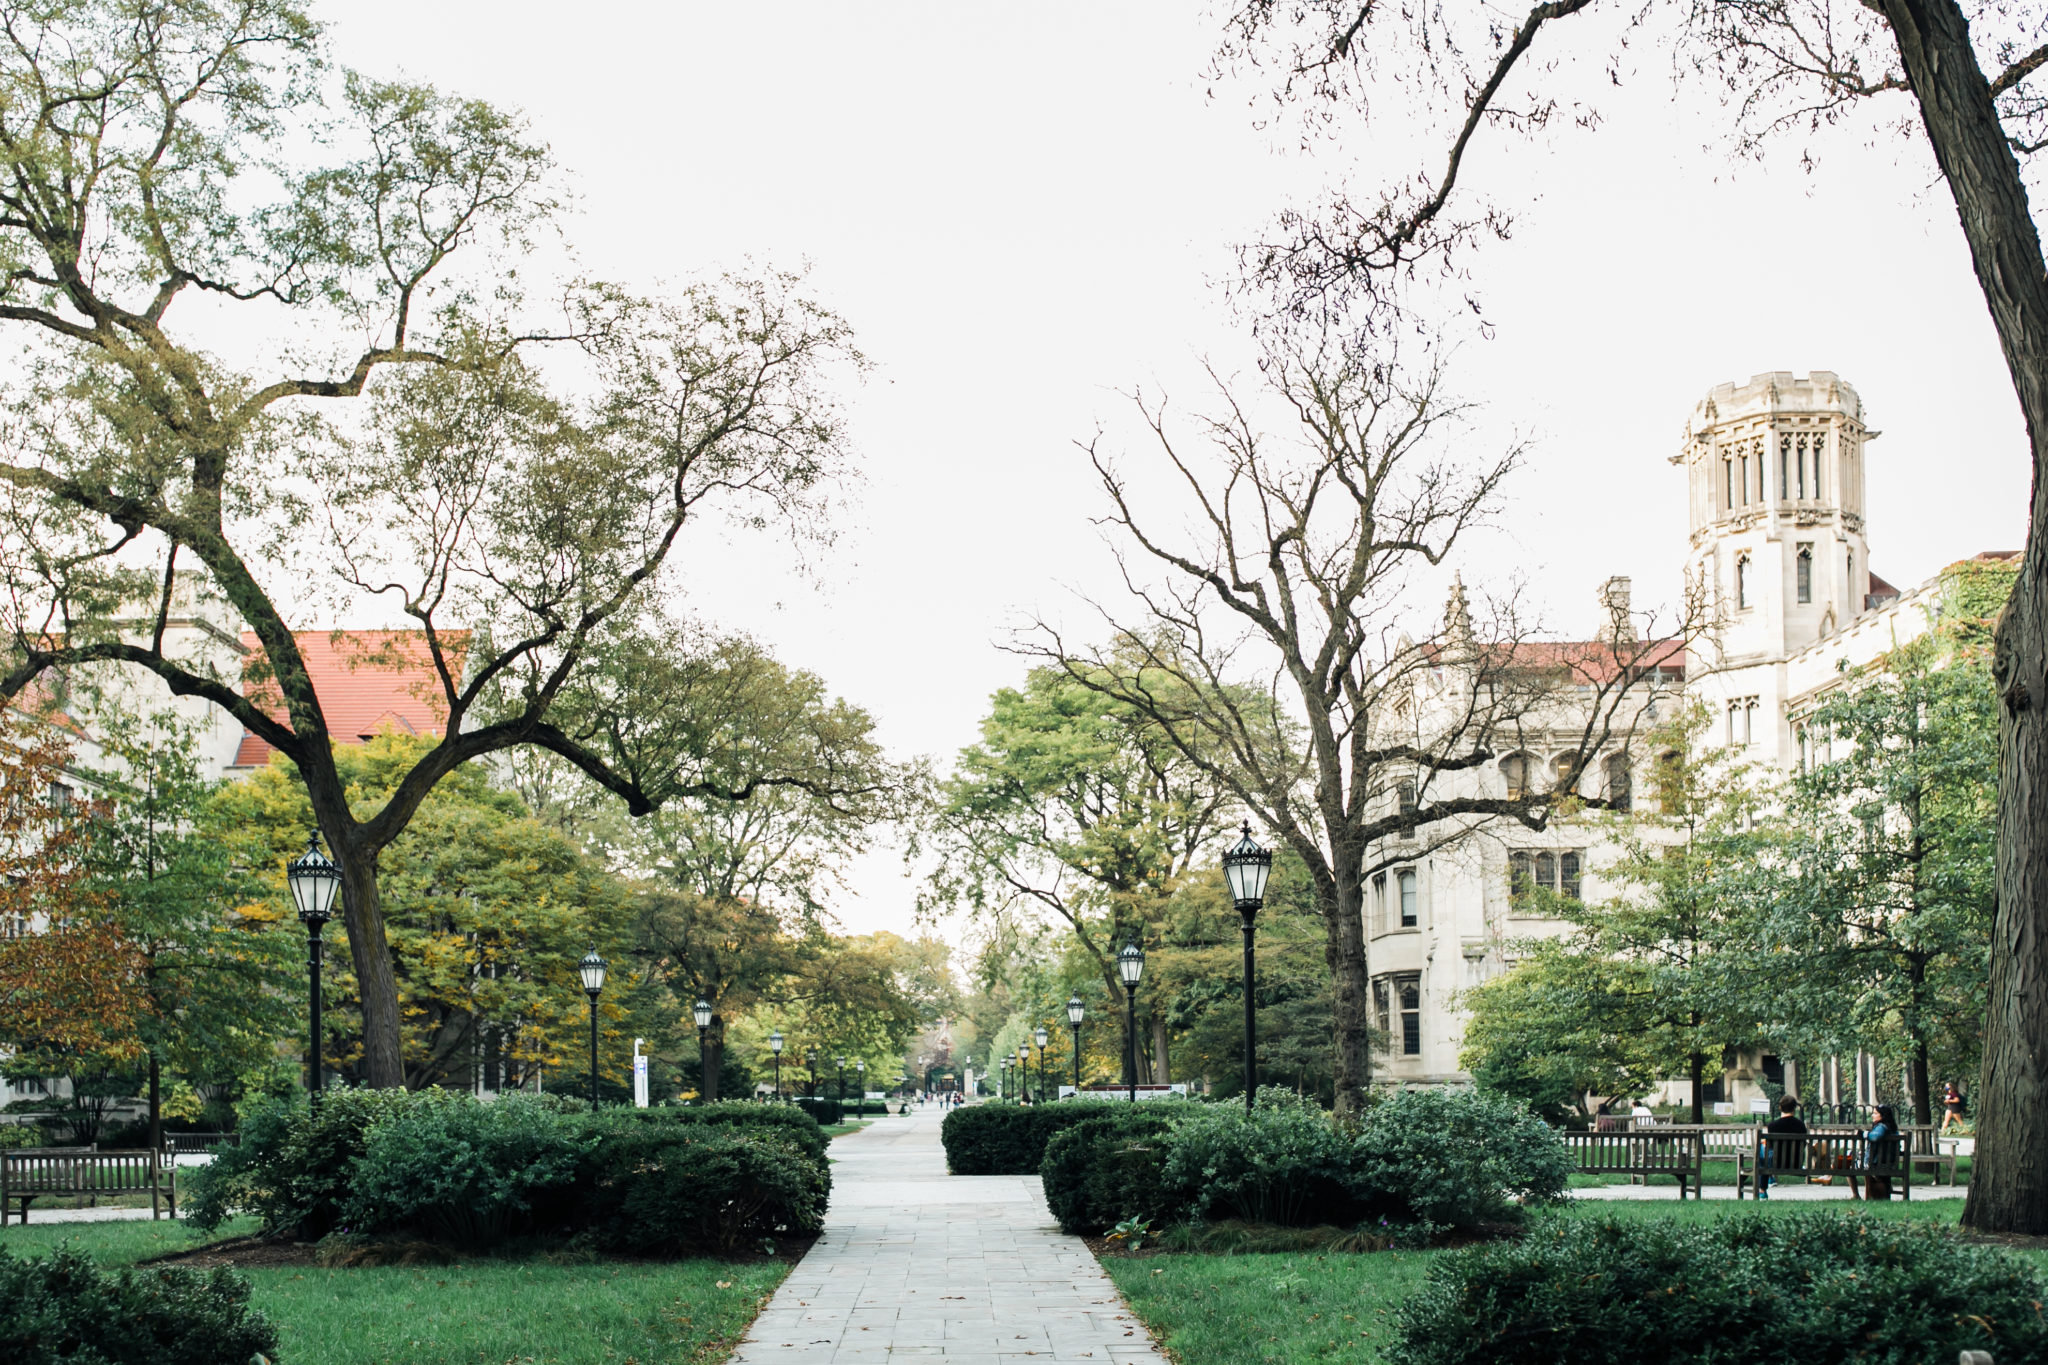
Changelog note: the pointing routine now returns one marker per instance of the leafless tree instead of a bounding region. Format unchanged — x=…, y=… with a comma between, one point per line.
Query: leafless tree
x=1967, y=77
x=1269, y=648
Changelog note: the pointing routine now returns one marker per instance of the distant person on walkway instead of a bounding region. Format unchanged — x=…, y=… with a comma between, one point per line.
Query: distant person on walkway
x=1951, y=1106
x=1780, y=1153
x=1881, y=1153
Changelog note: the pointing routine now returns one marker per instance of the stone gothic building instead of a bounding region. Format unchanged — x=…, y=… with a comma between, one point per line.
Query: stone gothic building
x=1778, y=569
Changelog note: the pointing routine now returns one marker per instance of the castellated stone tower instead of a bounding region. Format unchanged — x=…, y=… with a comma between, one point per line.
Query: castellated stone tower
x=1774, y=470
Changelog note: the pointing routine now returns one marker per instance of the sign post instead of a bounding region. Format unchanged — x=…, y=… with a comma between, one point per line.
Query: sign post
x=639, y=1075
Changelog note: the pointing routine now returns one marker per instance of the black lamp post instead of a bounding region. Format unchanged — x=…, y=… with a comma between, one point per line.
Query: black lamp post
x=1130, y=965
x=591, y=968
x=775, y=1046
x=860, y=1102
x=1246, y=867
x=1038, y=1035
x=1024, y=1070
x=314, y=880
x=701, y=1012
x=842, y=1085
x=1003, y=1079
x=1075, y=1013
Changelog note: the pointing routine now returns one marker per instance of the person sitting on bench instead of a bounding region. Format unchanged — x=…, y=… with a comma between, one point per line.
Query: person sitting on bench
x=1780, y=1153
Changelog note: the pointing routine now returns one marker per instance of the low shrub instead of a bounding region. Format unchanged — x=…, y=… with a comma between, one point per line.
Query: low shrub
x=64, y=1309
x=1455, y=1157
x=17, y=1135
x=1822, y=1288
x=1107, y=1168
x=447, y=1167
x=1283, y=1162
x=824, y=1112
x=790, y=1121
x=293, y=1167
x=453, y=1170
x=1007, y=1139
x=679, y=1189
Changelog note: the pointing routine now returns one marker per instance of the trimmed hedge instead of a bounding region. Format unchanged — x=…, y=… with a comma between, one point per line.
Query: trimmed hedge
x=451, y=1169
x=1107, y=1168
x=1821, y=1288
x=1455, y=1157
x=1008, y=1139
x=1284, y=1163
x=659, y=1189
x=65, y=1309
x=825, y=1112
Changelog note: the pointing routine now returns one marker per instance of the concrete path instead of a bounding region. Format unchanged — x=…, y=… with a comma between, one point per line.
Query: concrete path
x=919, y=1265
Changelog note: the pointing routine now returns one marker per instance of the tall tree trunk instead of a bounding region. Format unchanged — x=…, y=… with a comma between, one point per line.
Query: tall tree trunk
x=2009, y=1185
x=369, y=951
x=1162, y=1057
x=1697, y=1063
x=1923, y=1103
x=1351, y=987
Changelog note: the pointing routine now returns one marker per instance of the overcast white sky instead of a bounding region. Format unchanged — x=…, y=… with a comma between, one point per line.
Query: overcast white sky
x=1023, y=211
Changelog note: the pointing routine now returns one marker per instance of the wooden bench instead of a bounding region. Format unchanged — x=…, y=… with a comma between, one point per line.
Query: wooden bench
x=1829, y=1152
x=1639, y=1151
x=198, y=1144
x=29, y=1173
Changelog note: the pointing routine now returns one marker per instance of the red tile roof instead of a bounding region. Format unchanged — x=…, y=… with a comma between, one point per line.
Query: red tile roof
x=367, y=681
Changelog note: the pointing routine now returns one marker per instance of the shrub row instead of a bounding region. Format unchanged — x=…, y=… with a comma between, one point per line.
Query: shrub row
x=447, y=1167
x=1822, y=1288
x=1000, y=1138
x=1449, y=1158
x=65, y=1309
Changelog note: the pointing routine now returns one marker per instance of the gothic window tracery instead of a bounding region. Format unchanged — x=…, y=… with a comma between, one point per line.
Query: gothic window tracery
x=1742, y=582
x=1803, y=573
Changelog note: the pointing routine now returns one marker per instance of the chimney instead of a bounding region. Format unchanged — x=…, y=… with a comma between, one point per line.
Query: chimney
x=1617, y=627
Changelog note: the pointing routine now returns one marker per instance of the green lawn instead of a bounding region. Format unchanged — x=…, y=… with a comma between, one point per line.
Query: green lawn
x=481, y=1312
x=1268, y=1309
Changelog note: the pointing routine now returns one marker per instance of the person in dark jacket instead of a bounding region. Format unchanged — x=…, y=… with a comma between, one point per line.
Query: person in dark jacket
x=1780, y=1151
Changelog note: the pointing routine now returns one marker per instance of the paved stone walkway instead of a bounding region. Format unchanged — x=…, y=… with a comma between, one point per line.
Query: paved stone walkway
x=915, y=1264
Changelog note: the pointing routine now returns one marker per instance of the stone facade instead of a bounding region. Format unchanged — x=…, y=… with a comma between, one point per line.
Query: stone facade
x=1777, y=567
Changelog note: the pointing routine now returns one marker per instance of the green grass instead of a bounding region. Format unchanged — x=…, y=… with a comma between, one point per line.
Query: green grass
x=482, y=1312
x=1252, y=1309
x=1292, y=1309
x=842, y=1129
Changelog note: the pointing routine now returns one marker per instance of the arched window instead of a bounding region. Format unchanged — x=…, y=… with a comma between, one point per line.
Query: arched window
x=1804, y=573
x=1620, y=783
x=1410, y=911
x=1742, y=581
x=1515, y=767
x=1728, y=483
x=1546, y=870
x=1744, y=471
x=1568, y=874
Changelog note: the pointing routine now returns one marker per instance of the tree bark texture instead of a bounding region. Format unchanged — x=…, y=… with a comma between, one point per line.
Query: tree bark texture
x=1350, y=985
x=1698, y=1066
x=368, y=946
x=2009, y=1187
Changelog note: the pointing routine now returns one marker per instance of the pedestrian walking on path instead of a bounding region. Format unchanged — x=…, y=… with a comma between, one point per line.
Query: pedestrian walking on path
x=918, y=1264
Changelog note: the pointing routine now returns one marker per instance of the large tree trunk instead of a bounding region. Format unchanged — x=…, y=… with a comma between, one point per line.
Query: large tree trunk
x=1162, y=1056
x=1351, y=989
x=156, y=1112
x=1697, y=1062
x=369, y=951
x=2009, y=1185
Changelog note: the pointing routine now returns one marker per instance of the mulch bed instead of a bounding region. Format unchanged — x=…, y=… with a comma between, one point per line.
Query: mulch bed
x=239, y=1251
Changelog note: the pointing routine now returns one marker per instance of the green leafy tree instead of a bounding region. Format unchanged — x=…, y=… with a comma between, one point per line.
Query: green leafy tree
x=489, y=913
x=1072, y=806
x=217, y=987
x=1653, y=980
x=402, y=426
x=1881, y=908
